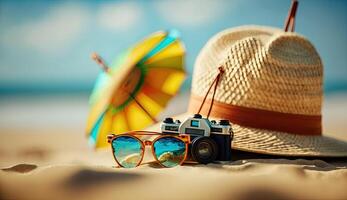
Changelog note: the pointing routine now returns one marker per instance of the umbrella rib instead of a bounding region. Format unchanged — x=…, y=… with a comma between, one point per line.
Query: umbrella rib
x=143, y=108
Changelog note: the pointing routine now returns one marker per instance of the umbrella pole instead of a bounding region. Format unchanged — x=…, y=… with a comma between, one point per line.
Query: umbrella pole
x=100, y=62
x=143, y=108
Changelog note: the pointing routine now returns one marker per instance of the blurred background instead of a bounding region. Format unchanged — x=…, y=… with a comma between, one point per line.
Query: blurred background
x=46, y=73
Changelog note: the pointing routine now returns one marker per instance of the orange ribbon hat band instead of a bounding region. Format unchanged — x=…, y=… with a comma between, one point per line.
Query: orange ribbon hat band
x=261, y=119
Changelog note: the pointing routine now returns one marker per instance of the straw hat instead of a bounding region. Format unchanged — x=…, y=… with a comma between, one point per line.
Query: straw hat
x=271, y=91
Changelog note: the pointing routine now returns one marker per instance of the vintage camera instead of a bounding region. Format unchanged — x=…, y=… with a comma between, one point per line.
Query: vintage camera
x=210, y=141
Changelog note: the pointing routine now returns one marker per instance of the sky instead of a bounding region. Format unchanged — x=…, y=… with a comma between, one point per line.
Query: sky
x=45, y=46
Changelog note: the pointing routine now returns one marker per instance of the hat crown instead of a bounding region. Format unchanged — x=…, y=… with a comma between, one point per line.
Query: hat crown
x=265, y=68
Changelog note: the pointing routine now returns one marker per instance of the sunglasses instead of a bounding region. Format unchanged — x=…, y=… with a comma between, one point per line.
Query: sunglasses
x=129, y=148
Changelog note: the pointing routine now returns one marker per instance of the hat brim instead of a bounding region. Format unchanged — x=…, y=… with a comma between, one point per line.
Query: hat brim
x=278, y=143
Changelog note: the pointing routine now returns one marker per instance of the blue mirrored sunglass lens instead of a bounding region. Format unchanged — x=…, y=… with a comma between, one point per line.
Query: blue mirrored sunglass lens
x=169, y=151
x=128, y=151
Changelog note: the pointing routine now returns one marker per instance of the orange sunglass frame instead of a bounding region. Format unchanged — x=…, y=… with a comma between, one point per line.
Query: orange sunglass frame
x=183, y=137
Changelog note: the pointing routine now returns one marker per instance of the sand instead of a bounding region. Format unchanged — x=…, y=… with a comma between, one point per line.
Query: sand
x=50, y=159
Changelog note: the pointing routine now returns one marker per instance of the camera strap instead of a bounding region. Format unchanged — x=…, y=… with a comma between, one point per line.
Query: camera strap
x=215, y=81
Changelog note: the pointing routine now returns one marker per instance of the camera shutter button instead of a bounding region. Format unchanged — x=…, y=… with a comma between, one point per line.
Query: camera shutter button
x=168, y=120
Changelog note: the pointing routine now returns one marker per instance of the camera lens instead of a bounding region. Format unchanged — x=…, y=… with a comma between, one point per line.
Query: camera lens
x=204, y=150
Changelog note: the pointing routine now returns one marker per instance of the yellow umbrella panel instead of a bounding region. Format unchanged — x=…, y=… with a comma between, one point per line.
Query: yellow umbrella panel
x=132, y=92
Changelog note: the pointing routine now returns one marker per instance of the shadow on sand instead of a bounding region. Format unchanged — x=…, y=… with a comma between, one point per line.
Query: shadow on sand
x=88, y=178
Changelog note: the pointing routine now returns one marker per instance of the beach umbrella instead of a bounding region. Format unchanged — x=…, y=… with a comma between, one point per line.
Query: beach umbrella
x=130, y=93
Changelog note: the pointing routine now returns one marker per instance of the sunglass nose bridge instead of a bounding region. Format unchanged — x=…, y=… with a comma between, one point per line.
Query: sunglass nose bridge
x=148, y=142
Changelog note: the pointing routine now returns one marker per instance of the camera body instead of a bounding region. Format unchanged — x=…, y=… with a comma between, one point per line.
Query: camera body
x=210, y=141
